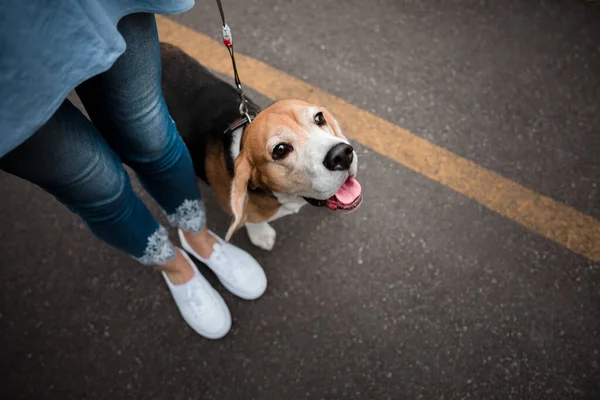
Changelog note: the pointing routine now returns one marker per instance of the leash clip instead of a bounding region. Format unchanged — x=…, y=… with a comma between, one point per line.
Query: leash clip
x=244, y=105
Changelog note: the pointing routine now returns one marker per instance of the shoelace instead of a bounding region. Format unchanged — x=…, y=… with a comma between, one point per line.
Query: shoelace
x=221, y=259
x=194, y=299
x=218, y=255
x=227, y=266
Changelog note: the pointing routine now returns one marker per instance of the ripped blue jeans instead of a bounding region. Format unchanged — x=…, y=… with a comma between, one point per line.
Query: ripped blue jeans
x=80, y=161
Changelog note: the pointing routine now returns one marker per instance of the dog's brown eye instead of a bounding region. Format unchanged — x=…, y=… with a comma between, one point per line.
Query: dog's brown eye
x=281, y=151
x=320, y=119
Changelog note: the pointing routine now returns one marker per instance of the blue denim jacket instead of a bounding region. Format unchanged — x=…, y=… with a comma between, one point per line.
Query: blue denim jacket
x=48, y=47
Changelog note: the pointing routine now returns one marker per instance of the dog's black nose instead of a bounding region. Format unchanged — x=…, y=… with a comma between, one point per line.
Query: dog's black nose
x=339, y=157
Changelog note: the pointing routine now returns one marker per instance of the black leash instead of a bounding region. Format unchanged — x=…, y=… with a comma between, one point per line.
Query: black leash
x=228, y=41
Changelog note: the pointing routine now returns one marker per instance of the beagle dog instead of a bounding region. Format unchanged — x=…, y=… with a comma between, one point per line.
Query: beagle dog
x=292, y=153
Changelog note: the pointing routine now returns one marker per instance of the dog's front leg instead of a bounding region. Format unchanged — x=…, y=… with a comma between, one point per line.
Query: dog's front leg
x=261, y=234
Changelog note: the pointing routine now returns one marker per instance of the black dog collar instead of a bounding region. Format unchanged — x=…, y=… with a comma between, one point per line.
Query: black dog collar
x=244, y=121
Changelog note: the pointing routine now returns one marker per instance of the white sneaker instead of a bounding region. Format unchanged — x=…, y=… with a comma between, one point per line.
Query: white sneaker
x=200, y=305
x=237, y=270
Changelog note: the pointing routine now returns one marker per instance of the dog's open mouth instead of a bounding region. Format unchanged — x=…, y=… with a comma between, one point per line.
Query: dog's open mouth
x=347, y=198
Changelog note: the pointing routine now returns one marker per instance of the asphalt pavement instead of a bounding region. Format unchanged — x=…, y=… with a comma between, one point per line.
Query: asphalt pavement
x=422, y=293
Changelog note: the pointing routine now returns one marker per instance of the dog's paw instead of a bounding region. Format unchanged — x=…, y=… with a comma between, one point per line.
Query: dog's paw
x=261, y=235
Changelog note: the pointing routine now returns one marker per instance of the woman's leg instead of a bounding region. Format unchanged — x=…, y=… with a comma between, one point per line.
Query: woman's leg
x=69, y=158
x=127, y=106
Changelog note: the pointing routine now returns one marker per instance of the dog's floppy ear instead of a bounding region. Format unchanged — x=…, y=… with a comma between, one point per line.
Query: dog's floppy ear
x=239, y=192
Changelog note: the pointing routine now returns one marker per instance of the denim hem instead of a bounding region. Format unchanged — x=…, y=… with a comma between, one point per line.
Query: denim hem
x=190, y=216
x=159, y=249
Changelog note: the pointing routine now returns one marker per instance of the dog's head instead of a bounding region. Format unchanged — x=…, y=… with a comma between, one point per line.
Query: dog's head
x=296, y=148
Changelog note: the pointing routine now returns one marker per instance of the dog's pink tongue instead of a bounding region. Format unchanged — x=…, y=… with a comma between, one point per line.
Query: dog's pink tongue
x=349, y=191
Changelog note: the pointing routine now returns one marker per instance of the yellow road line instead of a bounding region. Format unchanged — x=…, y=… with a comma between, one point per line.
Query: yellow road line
x=556, y=221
